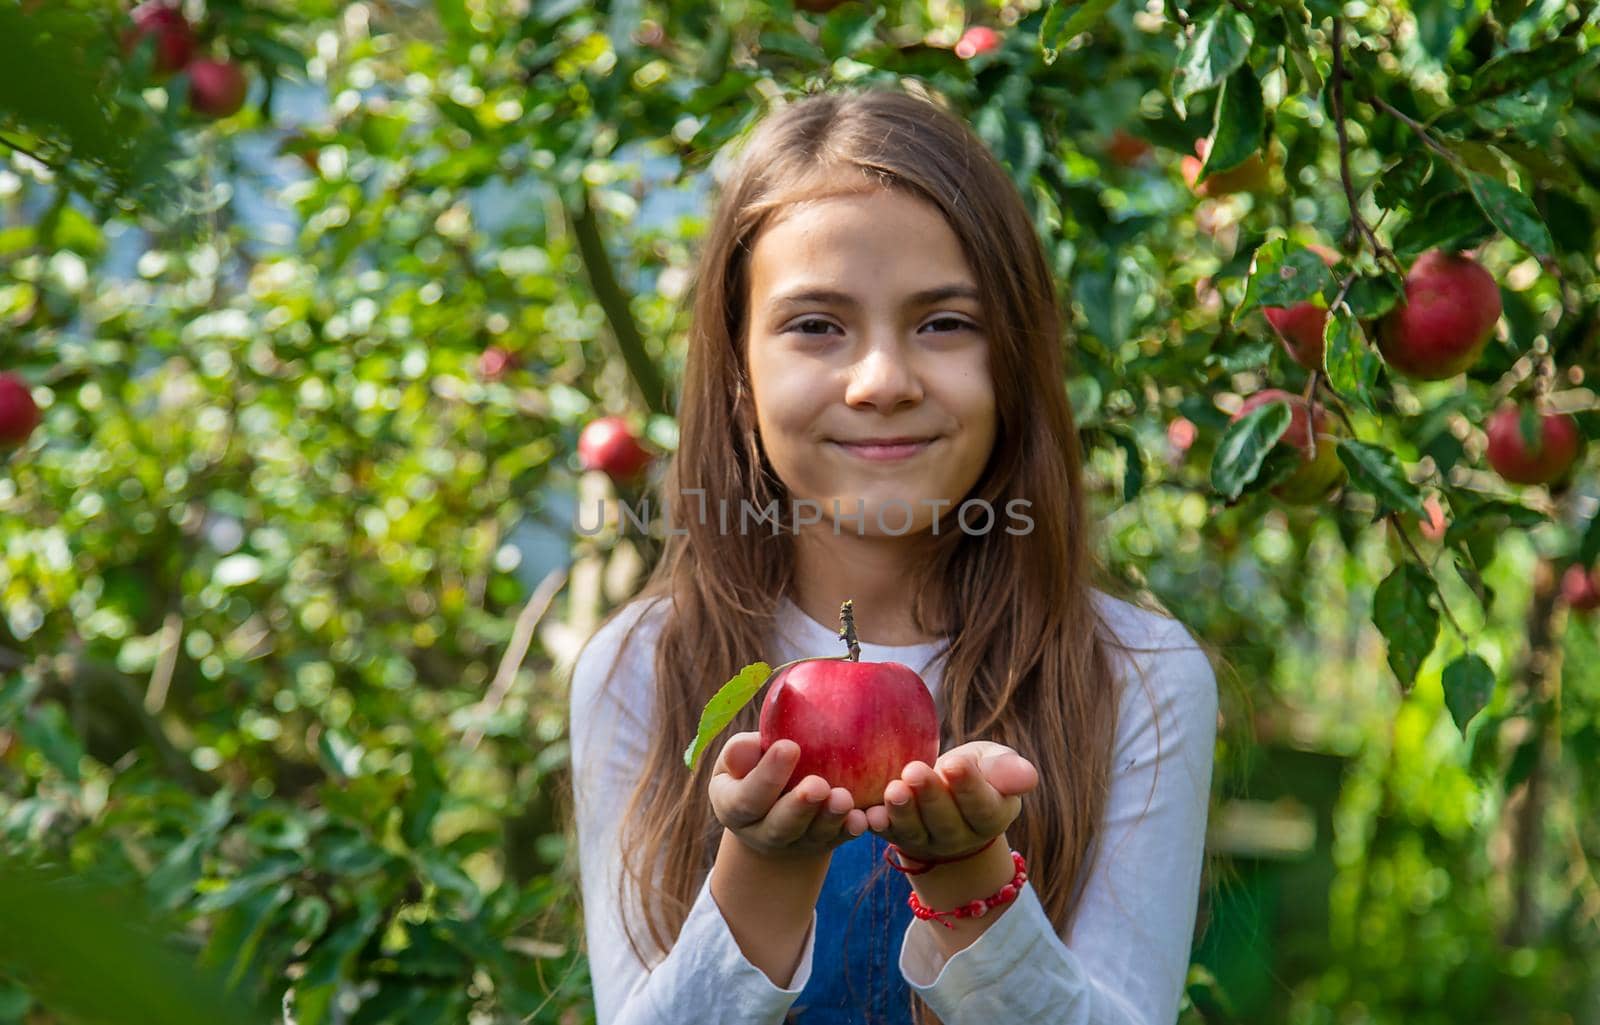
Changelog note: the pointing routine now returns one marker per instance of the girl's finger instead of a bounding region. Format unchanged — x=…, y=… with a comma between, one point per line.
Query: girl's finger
x=741, y=802
x=740, y=755
x=831, y=819
x=791, y=817
x=1010, y=773
x=905, y=825
x=980, y=805
x=940, y=816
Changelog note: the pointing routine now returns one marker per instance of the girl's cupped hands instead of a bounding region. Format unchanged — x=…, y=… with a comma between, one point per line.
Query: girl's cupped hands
x=957, y=805
x=749, y=798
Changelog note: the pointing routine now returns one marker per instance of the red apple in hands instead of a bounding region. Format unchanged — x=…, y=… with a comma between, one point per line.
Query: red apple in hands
x=1542, y=461
x=1580, y=589
x=1322, y=469
x=858, y=724
x=975, y=40
x=216, y=88
x=1447, y=316
x=174, y=39
x=19, y=414
x=609, y=445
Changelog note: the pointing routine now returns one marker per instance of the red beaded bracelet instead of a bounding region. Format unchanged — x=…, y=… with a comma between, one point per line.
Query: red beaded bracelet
x=894, y=849
x=977, y=908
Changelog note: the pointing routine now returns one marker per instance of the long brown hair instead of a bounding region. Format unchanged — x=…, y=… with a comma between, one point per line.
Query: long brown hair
x=1029, y=662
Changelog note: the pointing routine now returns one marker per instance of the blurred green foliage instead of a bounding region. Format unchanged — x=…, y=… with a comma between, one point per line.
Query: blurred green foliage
x=277, y=643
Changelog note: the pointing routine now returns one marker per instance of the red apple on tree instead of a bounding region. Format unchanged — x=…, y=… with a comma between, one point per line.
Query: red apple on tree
x=1540, y=460
x=609, y=445
x=1301, y=326
x=1321, y=470
x=975, y=40
x=858, y=724
x=216, y=87
x=174, y=39
x=494, y=362
x=1445, y=319
x=1127, y=149
x=1580, y=589
x=1433, y=524
x=19, y=414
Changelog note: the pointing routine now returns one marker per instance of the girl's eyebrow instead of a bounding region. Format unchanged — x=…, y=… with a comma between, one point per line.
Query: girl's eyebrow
x=845, y=299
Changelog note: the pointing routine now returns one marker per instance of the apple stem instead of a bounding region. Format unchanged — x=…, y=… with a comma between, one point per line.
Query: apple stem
x=847, y=632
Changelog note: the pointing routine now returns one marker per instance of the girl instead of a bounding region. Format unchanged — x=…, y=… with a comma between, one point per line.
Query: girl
x=874, y=409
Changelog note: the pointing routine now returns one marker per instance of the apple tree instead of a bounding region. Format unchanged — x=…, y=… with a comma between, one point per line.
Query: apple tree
x=308, y=307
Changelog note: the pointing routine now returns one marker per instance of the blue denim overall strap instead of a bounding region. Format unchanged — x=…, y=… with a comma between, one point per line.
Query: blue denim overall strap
x=855, y=963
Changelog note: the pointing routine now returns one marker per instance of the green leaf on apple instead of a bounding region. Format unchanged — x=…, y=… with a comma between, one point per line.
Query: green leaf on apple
x=724, y=705
x=1408, y=621
x=1219, y=45
x=1351, y=366
x=1373, y=295
x=1284, y=274
x=1451, y=221
x=1376, y=471
x=1513, y=213
x=1244, y=447
x=1468, y=685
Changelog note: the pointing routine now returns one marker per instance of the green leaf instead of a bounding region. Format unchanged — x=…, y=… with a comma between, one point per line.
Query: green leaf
x=1133, y=471
x=1517, y=70
x=1397, y=185
x=1351, y=365
x=47, y=731
x=1494, y=514
x=1408, y=621
x=723, y=706
x=1241, y=124
x=96, y=952
x=1451, y=221
x=1084, y=394
x=1244, y=447
x=849, y=31
x=1065, y=21
x=1371, y=296
x=1376, y=471
x=1468, y=685
x=1513, y=213
x=1216, y=49
x=1589, y=548
x=1284, y=274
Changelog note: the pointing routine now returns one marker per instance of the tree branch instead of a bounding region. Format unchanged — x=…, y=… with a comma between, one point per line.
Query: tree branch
x=516, y=651
x=612, y=298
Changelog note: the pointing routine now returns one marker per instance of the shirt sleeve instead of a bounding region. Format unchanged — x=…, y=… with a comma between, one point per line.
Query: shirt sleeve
x=705, y=977
x=1127, y=957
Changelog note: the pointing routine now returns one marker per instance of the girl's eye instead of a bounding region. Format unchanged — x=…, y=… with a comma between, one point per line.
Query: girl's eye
x=959, y=324
x=810, y=320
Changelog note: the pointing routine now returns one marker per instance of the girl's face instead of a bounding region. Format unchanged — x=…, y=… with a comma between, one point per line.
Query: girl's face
x=864, y=326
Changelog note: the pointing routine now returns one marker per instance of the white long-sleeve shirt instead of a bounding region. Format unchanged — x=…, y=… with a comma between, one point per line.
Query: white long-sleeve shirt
x=1127, y=955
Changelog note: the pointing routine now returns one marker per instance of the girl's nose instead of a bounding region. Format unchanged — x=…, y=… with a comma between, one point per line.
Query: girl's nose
x=884, y=379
